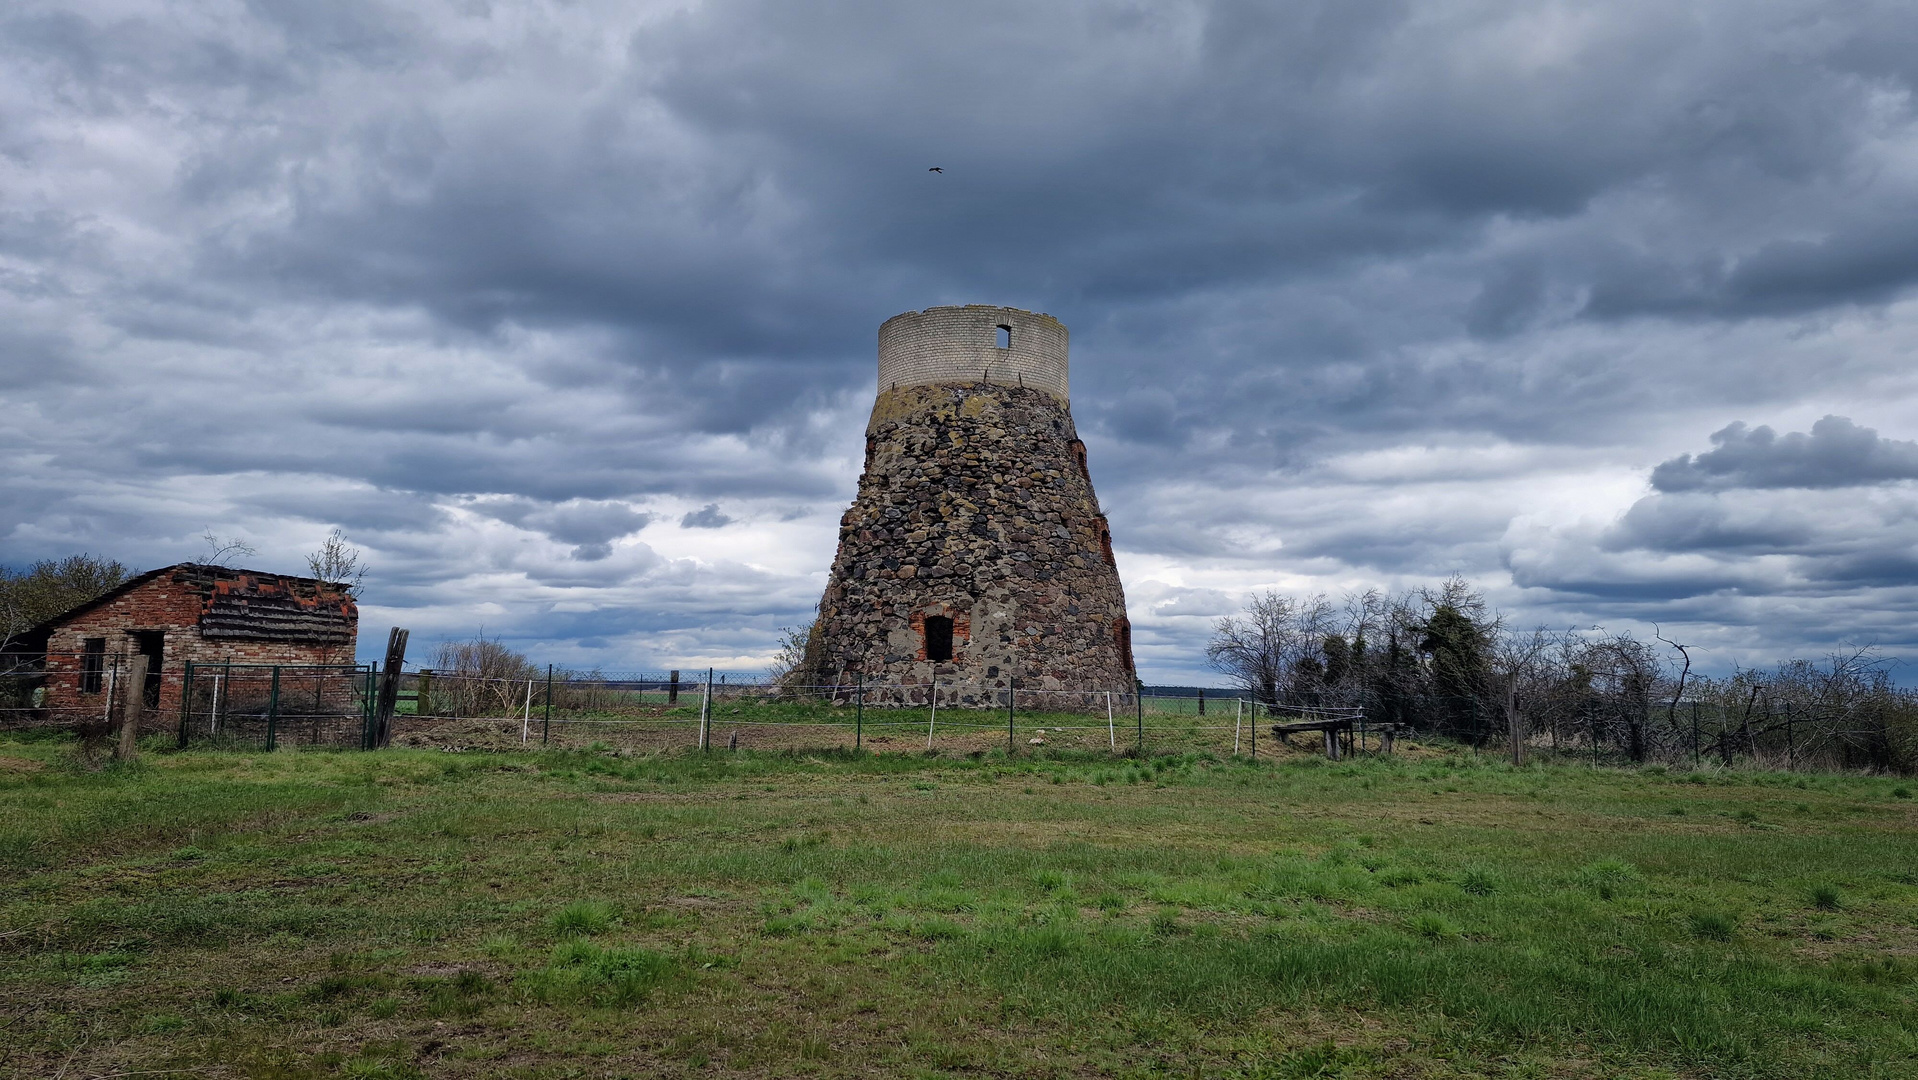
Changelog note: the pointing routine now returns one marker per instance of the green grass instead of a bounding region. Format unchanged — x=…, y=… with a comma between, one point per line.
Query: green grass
x=418, y=913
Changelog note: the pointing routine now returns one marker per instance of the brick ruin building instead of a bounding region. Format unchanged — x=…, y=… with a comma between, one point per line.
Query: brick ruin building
x=189, y=612
x=975, y=553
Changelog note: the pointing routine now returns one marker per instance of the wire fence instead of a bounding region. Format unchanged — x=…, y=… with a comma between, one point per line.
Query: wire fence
x=272, y=706
x=240, y=705
x=654, y=711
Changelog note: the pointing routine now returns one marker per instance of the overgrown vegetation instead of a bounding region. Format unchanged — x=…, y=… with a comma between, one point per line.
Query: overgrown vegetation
x=1436, y=914
x=1439, y=660
x=481, y=676
x=32, y=596
x=51, y=586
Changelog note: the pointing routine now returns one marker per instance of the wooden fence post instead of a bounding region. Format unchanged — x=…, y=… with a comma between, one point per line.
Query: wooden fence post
x=133, y=695
x=389, y=687
x=1512, y=725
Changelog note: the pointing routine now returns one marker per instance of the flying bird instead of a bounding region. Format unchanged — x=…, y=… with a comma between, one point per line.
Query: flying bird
x=936, y=169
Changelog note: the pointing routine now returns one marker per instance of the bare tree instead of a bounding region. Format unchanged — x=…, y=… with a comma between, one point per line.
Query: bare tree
x=1252, y=649
x=222, y=550
x=337, y=564
x=1278, y=642
x=1522, y=666
x=1684, y=673
x=480, y=675
x=1632, y=674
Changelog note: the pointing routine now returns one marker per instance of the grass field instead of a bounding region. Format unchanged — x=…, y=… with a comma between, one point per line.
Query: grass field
x=579, y=914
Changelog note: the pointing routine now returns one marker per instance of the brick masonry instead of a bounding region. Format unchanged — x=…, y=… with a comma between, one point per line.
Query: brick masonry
x=961, y=345
x=174, y=602
x=976, y=505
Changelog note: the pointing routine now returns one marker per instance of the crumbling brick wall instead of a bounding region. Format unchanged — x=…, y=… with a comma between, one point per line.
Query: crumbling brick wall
x=204, y=614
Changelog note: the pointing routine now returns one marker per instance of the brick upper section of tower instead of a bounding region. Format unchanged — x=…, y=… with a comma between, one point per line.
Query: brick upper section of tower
x=976, y=343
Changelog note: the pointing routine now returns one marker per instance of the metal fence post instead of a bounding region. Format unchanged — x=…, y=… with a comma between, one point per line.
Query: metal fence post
x=859, y=711
x=1255, y=729
x=1012, y=689
x=706, y=714
x=1138, y=699
x=186, y=695
x=273, y=711
x=546, y=732
x=1694, y=734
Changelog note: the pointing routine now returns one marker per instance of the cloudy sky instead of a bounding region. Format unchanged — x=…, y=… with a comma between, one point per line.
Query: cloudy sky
x=565, y=312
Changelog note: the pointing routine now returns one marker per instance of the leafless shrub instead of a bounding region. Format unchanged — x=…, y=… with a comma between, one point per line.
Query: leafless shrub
x=480, y=677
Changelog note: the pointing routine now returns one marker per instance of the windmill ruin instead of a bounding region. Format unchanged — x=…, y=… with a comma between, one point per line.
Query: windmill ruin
x=975, y=554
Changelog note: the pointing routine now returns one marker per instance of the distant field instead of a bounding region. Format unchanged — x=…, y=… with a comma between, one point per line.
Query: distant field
x=417, y=913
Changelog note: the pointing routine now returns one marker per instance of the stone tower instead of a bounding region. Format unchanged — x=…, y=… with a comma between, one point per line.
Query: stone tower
x=975, y=553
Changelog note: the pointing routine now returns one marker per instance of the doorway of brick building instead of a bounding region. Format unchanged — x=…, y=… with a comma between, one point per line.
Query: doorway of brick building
x=152, y=645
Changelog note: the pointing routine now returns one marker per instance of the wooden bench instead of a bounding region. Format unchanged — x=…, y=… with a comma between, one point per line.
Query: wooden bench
x=1332, y=729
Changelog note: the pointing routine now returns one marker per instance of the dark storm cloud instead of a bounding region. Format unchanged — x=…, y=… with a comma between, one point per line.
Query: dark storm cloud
x=590, y=525
x=706, y=517
x=1708, y=523
x=495, y=287
x=1837, y=453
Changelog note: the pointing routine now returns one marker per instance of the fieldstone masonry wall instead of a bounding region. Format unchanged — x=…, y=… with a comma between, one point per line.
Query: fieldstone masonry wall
x=976, y=506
